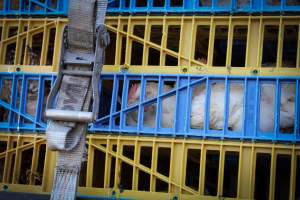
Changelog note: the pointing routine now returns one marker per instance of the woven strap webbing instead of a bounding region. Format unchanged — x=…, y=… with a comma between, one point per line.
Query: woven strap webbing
x=75, y=93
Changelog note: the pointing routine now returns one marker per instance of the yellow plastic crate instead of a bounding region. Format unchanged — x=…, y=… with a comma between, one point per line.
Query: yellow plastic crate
x=233, y=45
x=237, y=45
x=30, y=45
x=158, y=168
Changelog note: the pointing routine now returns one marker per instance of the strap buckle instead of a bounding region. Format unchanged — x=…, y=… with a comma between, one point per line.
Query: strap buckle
x=93, y=64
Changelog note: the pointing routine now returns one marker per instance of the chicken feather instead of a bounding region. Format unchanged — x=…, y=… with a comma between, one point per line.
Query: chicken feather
x=168, y=105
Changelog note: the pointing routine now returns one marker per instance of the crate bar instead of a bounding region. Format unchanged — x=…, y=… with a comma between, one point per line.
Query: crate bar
x=45, y=43
x=28, y=42
x=226, y=107
x=22, y=103
x=280, y=43
x=146, y=38
x=157, y=116
x=113, y=105
x=13, y=101
x=188, y=108
x=297, y=112
x=141, y=107
x=18, y=44
x=128, y=42
x=40, y=100
x=293, y=171
x=272, y=174
x=4, y=36
x=17, y=163
x=277, y=117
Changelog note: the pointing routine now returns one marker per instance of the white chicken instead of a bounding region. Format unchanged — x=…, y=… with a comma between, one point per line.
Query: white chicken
x=217, y=107
x=168, y=106
x=287, y=107
x=216, y=120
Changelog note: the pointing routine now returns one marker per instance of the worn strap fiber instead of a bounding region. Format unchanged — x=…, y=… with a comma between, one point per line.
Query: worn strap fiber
x=75, y=93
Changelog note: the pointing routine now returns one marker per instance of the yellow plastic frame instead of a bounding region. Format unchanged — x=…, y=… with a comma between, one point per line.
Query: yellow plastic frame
x=33, y=26
x=186, y=62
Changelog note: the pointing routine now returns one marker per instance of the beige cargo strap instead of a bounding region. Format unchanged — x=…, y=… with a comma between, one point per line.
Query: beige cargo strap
x=76, y=85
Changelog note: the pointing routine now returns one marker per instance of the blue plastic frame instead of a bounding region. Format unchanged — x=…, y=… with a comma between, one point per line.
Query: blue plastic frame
x=184, y=83
x=36, y=8
x=194, y=6
x=18, y=119
x=106, y=121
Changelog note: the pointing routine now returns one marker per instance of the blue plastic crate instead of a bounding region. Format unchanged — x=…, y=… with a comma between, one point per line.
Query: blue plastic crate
x=202, y=6
x=116, y=112
x=34, y=7
x=117, y=115
x=22, y=100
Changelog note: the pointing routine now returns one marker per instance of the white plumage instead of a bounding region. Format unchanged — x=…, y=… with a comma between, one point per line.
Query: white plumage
x=217, y=104
x=168, y=106
x=217, y=107
x=267, y=107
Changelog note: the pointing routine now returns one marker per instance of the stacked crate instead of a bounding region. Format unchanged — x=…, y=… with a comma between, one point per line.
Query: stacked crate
x=30, y=43
x=177, y=47
x=182, y=47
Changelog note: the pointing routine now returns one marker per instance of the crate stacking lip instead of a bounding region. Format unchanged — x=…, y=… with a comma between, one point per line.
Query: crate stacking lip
x=202, y=6
x=221, y=107
x=34, y=8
